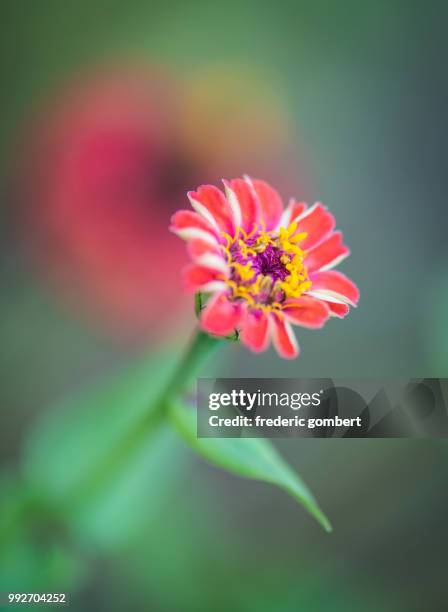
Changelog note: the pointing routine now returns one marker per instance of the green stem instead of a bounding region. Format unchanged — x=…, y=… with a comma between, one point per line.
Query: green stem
x=191, y=363
x=187, y=369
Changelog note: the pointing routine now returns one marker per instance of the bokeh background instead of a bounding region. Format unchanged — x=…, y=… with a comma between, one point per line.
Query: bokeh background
x=111, y=111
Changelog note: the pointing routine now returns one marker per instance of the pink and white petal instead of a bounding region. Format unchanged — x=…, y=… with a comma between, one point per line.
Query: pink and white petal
x=327, y=254
x=283, y=337
x=190, y=225
x=291, y=212
x=269, y=202
x=198, y=278
x=234, y=204
x=248, y=202
x=306, y=311
x=197, y=247
x=210, y=202
x=215, y=286
x=337, y=283
x=318, y=223
x=338, y=310
x=189, y=218
x=255, y=330
x=214, y=262
x=192, y=233
x=220, y=316
x=328, y=296
x=298, y=208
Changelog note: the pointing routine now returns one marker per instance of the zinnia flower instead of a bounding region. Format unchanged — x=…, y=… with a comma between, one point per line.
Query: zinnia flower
x=266, y=267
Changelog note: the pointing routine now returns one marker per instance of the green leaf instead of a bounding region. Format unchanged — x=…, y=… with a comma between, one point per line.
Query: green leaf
x=103, y=458
x=254, y=458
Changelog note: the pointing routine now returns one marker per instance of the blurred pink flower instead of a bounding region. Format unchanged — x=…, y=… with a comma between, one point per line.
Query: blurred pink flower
x=266, y=267
x=106, y=175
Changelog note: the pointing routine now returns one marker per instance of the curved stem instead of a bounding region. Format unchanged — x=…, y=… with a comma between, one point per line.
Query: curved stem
x=188, y=367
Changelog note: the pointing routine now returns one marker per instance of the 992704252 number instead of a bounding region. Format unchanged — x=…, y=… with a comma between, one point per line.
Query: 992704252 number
x=36, y=598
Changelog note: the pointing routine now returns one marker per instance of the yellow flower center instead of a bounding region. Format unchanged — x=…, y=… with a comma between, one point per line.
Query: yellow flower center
x=266, y=267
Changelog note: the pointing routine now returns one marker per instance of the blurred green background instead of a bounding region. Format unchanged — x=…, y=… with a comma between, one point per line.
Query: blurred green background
x=111, y=111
